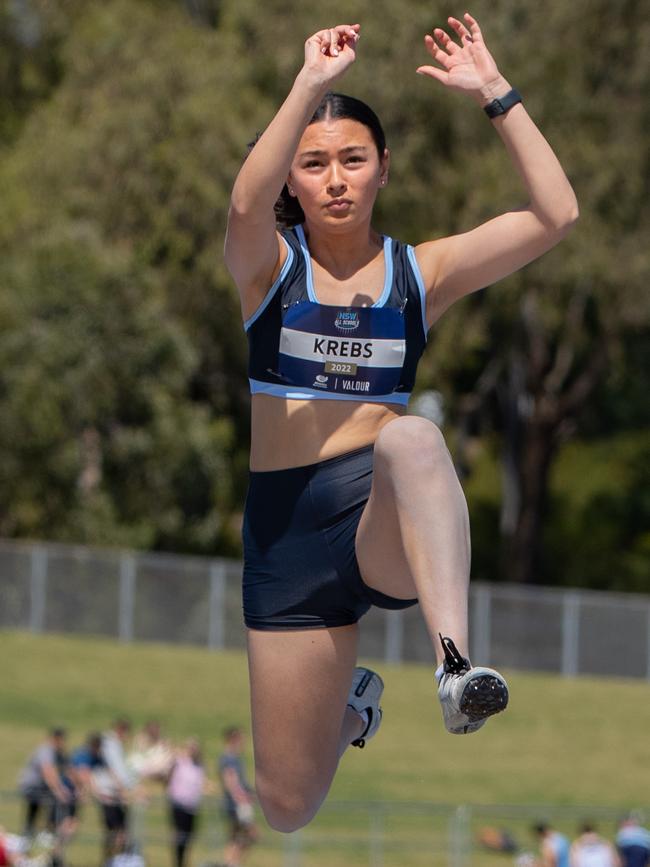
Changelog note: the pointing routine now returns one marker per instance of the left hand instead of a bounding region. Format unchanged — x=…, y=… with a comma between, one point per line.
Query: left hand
x=468, y=66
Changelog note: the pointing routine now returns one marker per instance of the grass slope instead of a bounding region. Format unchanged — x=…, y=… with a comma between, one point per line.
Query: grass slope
x=567, y=742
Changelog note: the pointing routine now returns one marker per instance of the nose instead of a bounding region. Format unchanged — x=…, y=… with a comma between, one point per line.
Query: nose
x=336, y=184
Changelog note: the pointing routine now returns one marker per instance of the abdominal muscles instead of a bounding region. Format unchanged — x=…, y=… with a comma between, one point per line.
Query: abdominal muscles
x=295, y=433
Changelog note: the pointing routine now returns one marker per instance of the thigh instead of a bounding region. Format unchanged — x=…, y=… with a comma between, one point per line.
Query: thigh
x=410, y=456
x=300, y=682
x=379, y=544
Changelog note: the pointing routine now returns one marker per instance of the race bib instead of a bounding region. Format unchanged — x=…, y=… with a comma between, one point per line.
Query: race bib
x=348, y=350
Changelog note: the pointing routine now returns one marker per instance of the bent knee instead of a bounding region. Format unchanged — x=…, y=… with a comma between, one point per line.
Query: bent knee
x=411, y=440
x=286, y=810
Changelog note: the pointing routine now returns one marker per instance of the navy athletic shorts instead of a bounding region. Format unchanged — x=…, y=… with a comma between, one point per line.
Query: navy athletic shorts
x=300, y=565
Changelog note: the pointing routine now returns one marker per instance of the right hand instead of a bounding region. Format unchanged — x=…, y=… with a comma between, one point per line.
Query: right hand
x=330, y=52
x=245, y=813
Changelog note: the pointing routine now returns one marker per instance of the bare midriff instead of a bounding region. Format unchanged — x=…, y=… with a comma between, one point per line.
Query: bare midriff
x=295, y=433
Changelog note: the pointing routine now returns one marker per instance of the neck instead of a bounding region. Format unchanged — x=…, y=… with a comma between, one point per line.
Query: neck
x=342, y=255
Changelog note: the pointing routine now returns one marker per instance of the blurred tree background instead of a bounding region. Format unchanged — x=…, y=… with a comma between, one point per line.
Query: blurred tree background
x=123, y=389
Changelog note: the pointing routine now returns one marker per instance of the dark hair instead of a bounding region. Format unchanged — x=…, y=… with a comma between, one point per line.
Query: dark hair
x=231, y=732
x=336, y=106
x=94, y=741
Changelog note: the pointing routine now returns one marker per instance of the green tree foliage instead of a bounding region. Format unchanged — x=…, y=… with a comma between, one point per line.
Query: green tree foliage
x=123, y=405
x=111, y=242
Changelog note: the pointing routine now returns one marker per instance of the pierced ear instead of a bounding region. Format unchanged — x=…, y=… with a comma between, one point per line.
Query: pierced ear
x=384, y=168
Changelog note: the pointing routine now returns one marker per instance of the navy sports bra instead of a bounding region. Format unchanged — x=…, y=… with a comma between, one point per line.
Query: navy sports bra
x=303, y=350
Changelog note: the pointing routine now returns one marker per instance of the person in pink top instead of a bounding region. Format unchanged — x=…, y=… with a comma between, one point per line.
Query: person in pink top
x=185, y=789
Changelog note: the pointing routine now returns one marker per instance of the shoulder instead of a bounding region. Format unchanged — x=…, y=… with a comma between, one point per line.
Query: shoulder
x=45, y=753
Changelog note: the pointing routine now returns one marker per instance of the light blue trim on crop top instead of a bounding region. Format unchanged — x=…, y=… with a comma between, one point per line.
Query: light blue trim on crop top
x=274, y=288
x=388, y=269
x=410, y=252
x=299, y=393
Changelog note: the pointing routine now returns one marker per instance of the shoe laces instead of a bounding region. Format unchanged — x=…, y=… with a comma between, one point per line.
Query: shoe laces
x=454, y=663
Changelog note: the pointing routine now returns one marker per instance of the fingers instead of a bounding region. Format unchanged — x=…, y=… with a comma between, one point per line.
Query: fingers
x=334, y=39
x=445, y=40
x=435, y=50
x=460, y=29
x=468, y=32
x=474, y=29
x=433, y=72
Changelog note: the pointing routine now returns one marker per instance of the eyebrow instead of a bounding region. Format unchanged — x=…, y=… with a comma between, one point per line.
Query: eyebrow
x=319, y=153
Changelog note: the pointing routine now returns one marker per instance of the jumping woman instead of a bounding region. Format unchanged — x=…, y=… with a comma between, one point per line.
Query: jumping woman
x=352, y=503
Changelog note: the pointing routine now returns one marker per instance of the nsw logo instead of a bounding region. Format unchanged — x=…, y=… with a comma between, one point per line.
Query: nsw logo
x=346, y=321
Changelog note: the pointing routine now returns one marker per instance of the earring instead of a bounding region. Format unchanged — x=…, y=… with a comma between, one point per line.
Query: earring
x=292, y=192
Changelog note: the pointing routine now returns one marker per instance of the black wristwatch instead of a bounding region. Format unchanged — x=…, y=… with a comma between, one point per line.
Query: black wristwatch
x=502, y=104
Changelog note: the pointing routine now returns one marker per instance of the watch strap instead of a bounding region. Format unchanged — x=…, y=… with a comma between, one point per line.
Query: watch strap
x=501, y=105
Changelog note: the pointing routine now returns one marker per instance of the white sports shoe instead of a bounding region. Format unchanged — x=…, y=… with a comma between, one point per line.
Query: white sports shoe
x=365, y=694
x=468, y=695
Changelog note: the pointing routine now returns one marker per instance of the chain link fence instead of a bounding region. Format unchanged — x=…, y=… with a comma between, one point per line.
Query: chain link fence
x=130, y=596
x=353, y=833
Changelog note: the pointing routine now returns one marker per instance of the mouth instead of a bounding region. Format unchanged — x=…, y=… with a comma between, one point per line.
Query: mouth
x=338, y=204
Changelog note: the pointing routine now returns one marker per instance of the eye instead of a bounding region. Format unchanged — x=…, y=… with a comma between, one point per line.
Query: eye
x=311, y=164
x=355, y=159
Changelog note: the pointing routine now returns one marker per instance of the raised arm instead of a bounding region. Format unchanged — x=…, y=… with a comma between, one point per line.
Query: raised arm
x=254, y=254
x=455, y=266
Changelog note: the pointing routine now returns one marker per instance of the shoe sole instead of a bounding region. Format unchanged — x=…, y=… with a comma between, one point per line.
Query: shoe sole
x=483, y=696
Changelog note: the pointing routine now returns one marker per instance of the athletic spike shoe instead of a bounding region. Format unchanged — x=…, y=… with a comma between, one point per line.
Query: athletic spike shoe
x=468, y=695
x=365, y=694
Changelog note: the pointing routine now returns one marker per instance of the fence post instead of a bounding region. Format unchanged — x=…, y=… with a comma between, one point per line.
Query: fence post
x=647, y=672
x=394, y=636
x=127, y=597
x=37, y=588
x=293, y=849
x=376, y=832
x=459, y=836
x=482, y=627
x=216, y=606
x=570, y=633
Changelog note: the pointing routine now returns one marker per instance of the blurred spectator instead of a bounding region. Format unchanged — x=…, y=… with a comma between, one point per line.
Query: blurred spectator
x=84, y=761
x=6, y=856
x=554, y=847
x=592, y=850
x=152, y=755
x=497, y=840
x=42, y=784
x=114, y=782
x=238, y=799
x=185, y=789
x=633, y=843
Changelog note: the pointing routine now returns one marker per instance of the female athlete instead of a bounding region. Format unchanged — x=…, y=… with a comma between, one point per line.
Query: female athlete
x=352, y=503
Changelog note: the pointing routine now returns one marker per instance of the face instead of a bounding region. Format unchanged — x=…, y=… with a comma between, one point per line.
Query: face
x=236, y=742
x=336, y=173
